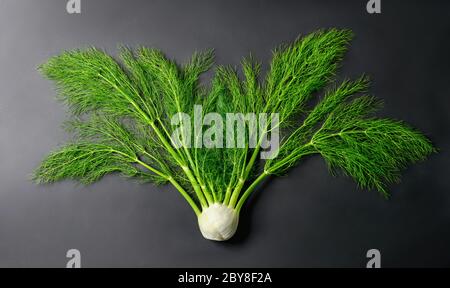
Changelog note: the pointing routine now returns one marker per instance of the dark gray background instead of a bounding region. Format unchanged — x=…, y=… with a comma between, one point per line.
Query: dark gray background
x=308, y=218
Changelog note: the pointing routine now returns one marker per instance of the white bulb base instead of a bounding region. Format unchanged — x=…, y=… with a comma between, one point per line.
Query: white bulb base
x=218, y=222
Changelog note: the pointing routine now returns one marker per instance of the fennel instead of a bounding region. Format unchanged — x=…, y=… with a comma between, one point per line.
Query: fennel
x=123, y=111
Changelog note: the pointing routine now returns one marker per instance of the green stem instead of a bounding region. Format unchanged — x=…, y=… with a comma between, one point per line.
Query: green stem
x=250, y=190
x=227, y=196
x=186, y=196
x=204, y=188
x=174, y=183
x=168, y=146
x=197, y=177
x=195, y=185
x=169, y=178
x=235, y=195
x=185, y=168
x=248, y=168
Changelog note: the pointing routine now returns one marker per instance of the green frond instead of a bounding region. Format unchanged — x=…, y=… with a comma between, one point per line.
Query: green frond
x=234, y=94
x=168, y=81
x=143, y=82
x=199, y=63
x=88, y=162
x=334, y=98
x=90, y=80
x=251, y=84
x=124, y=111
x=292, y=148
x=302, y=68
x=103, y=129
x=372, y=151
